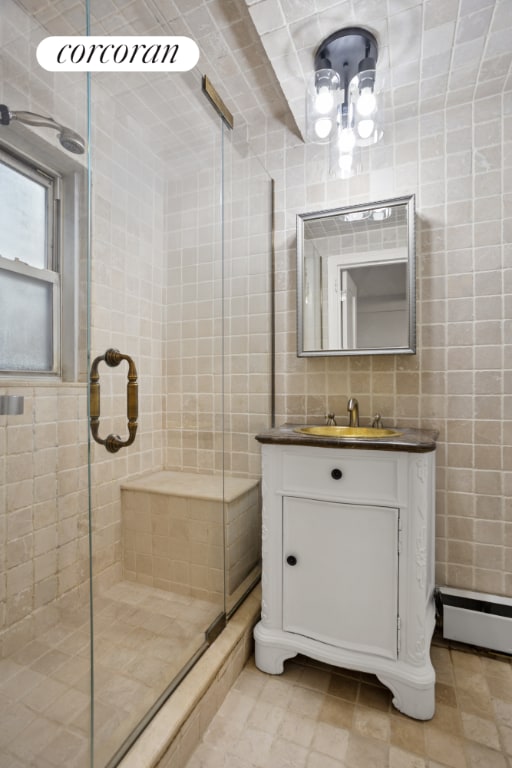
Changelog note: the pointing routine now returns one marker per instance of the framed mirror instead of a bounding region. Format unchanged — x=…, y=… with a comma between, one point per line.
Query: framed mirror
x=356, y=280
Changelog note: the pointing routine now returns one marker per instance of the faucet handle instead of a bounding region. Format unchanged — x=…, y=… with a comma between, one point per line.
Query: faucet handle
x=377, y=421
x=330, y=420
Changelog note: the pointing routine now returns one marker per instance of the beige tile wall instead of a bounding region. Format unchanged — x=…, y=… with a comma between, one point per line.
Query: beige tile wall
x=43, y=511
x=247, y=322
x=43, y=454
x=43, y=481
x=219, y=284
x=157, y=295
x=193, y=347
x=456, y=161
x=127, y=311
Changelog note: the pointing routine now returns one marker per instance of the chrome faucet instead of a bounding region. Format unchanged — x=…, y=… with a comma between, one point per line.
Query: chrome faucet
x=353, y=409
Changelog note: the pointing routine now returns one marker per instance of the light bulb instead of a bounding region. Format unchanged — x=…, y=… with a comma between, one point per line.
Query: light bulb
x=366, y=102
x=324, y=101
x=346, y=140
x=323, y=127
x=365, y=128
x=357, y=216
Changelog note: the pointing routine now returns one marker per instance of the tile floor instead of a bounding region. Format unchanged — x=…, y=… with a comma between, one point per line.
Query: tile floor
x=143, y=637
x=316, y=716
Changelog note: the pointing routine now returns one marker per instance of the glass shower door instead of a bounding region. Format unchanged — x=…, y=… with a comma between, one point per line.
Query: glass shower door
x=45, y=667
x=156, y=296
x=130, y=546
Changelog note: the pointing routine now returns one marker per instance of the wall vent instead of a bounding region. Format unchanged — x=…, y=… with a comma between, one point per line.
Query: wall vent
x=477, y=619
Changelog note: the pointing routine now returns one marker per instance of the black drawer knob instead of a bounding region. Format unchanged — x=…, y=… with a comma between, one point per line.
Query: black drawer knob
x=291, y=560
x=336, y=474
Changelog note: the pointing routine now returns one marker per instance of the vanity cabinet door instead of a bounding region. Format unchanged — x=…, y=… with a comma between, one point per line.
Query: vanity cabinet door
x=340, y=574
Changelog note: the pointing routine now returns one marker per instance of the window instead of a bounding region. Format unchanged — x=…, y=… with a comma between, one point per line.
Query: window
x=35, y=303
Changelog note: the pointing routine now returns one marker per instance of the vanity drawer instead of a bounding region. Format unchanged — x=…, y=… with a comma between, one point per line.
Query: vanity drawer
x=342, y=475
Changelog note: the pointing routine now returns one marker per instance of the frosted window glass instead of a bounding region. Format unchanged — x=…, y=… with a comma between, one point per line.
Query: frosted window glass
x=26, y=322
x=22, y=218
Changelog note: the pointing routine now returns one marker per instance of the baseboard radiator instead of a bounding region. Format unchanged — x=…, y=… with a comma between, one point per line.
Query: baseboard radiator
x=476, y=618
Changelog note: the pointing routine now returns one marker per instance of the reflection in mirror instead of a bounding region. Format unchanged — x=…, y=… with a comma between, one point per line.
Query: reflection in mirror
x=356, y=280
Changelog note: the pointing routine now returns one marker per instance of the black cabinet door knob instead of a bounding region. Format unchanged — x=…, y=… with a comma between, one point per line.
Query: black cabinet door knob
x=336, y=474
x=291, y=560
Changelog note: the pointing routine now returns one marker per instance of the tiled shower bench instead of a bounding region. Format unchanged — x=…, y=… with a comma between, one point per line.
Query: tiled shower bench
x=173, y=533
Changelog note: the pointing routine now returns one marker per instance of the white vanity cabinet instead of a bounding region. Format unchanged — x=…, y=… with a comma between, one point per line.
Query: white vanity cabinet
x=348, y=564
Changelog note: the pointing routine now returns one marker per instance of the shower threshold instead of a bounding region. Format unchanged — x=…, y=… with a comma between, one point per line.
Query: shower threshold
x=210, y=635
x=171, y=737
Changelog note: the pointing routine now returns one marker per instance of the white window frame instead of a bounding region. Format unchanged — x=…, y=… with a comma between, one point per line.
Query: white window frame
x=66, y=239
x=49, y=274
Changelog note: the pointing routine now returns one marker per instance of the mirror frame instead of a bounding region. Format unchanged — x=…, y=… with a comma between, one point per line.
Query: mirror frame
x=409, y=202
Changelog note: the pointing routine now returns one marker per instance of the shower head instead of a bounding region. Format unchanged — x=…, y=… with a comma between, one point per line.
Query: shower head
x=70, y=140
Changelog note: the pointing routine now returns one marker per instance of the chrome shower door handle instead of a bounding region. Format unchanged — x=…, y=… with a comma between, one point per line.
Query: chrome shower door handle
x=112, y=358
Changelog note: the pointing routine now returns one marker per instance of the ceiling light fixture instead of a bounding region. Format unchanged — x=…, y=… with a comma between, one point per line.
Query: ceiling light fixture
x=342, y=101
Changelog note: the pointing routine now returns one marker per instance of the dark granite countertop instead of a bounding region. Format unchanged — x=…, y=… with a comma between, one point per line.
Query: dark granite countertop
x=411, y=440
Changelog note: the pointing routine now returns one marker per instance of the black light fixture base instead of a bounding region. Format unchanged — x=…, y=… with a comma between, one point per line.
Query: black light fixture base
x=345, y=49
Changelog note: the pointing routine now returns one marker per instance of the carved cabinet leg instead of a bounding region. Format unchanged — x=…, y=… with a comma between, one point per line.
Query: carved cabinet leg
x=270, y=657
x=415, y=699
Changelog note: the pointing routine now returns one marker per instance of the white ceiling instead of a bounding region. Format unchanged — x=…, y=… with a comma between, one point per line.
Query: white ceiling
x=437, y=53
